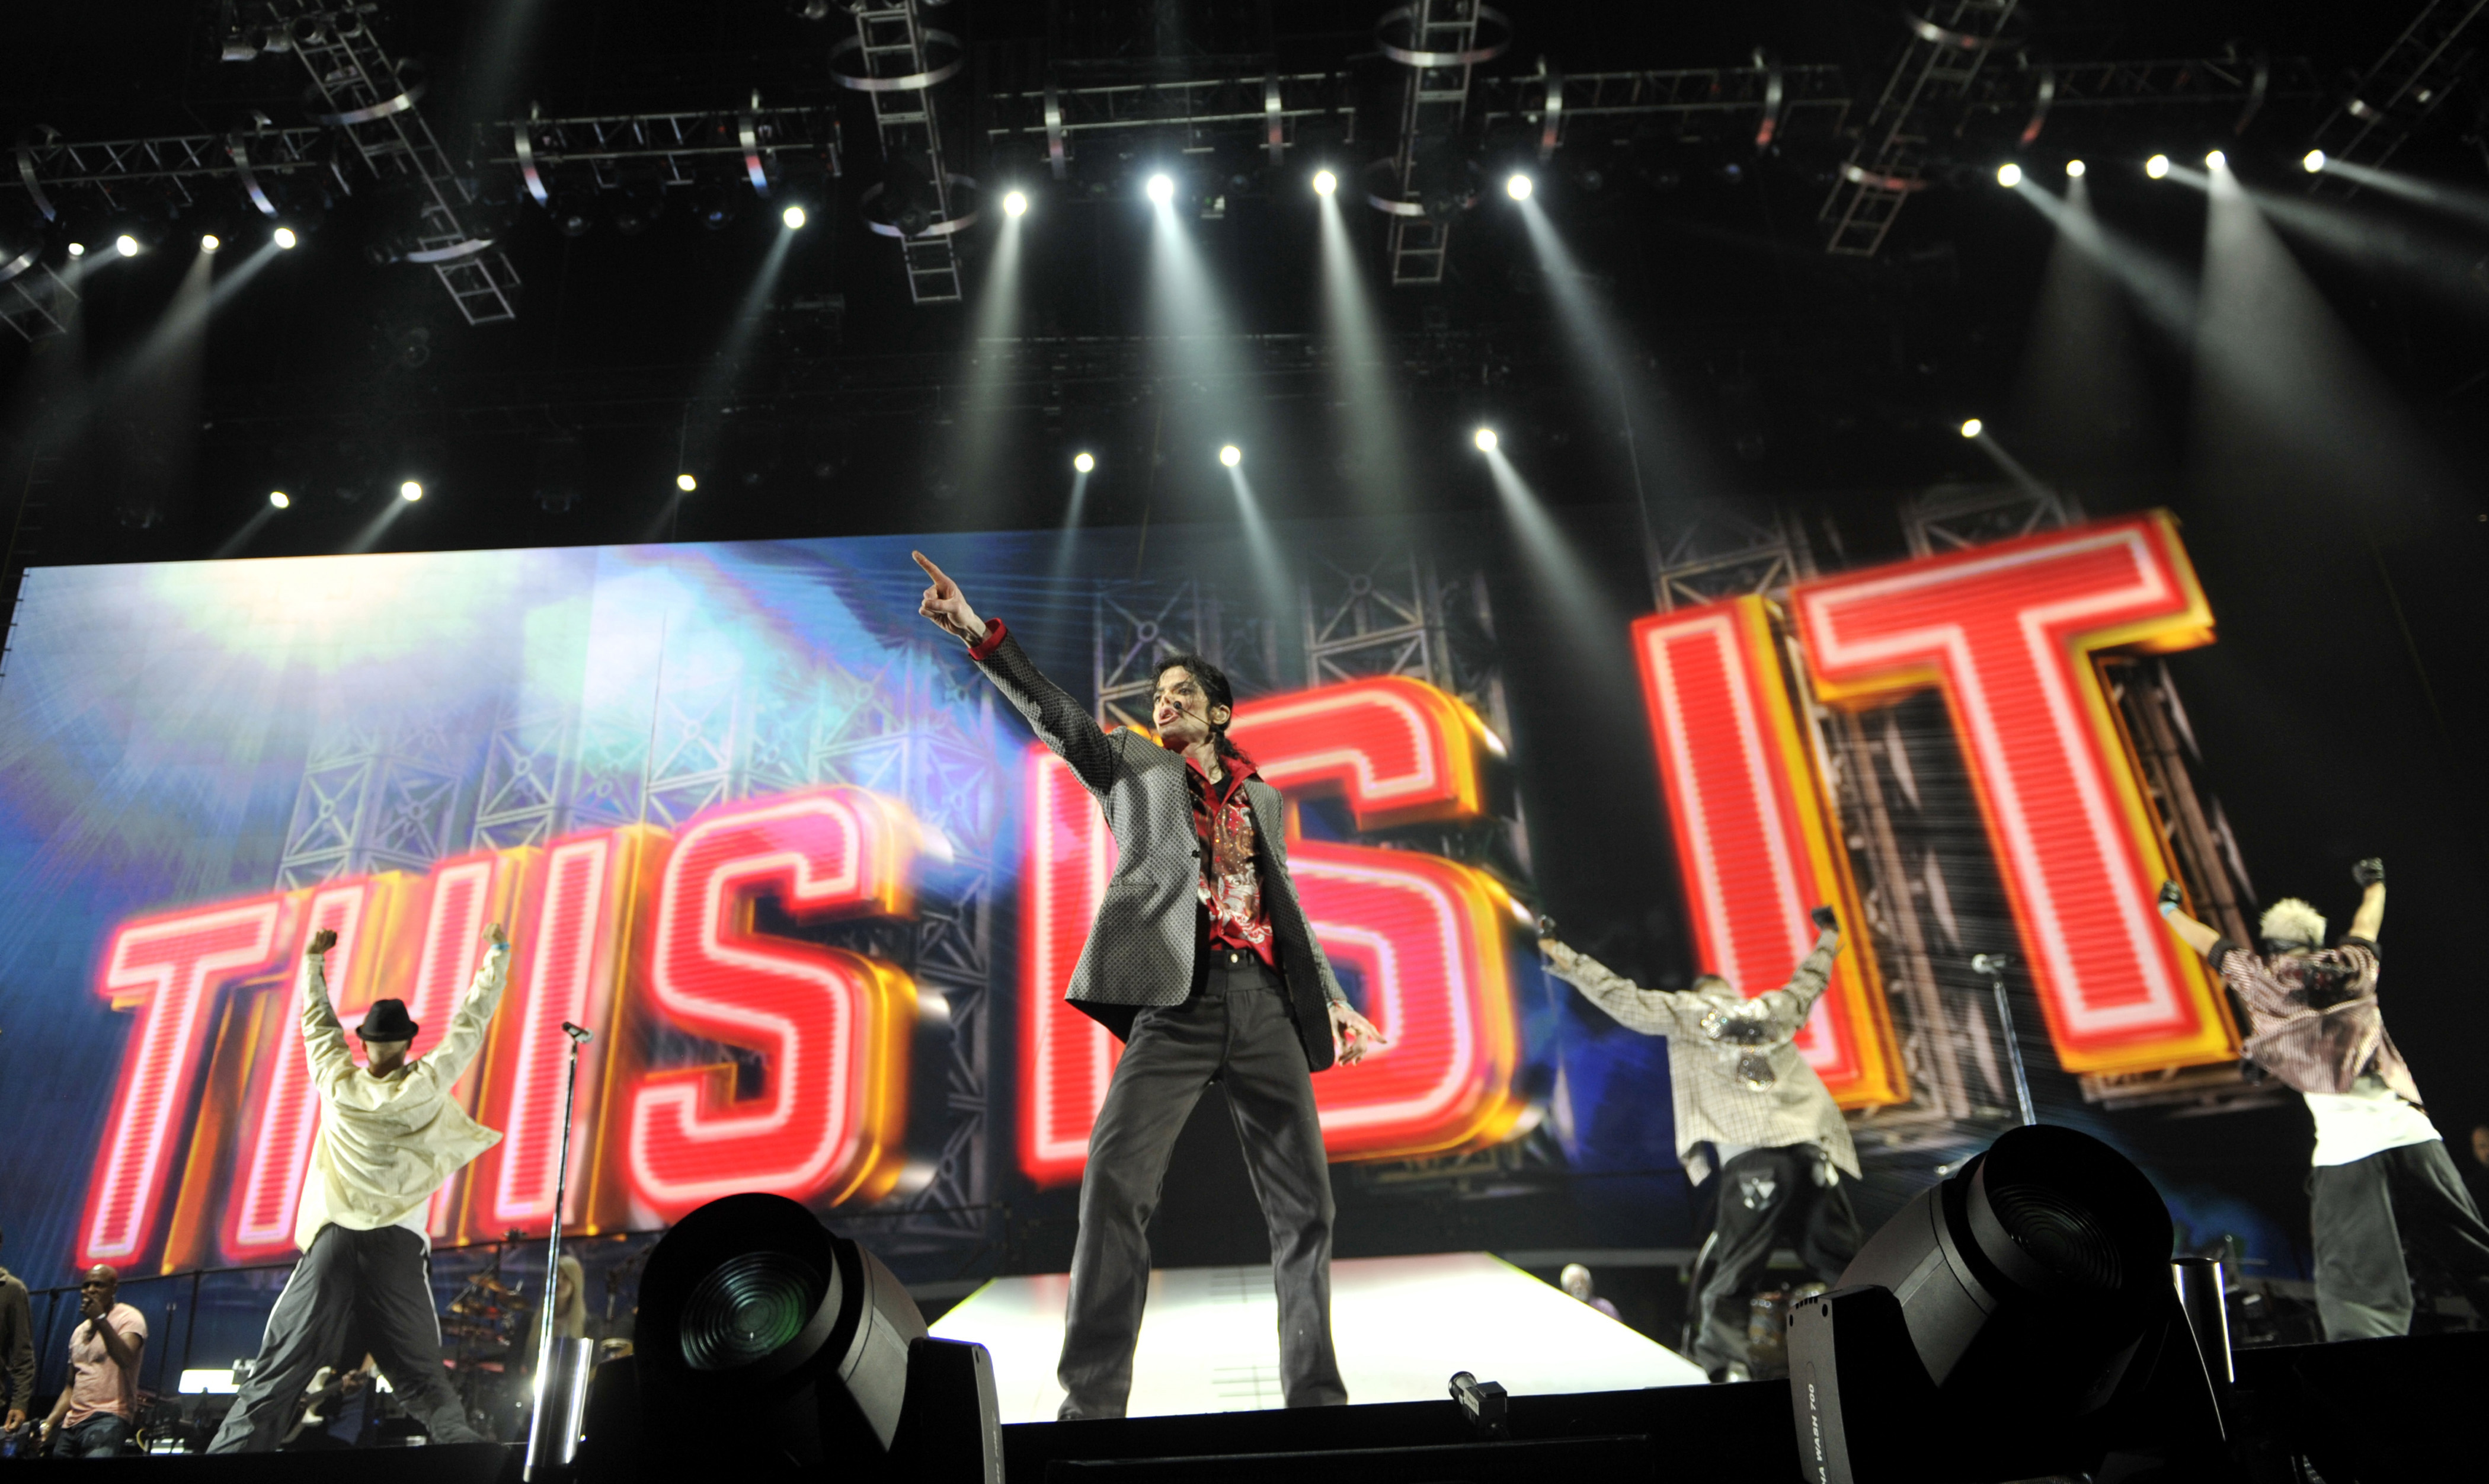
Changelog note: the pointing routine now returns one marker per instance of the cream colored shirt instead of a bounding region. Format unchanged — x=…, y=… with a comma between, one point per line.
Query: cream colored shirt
x=386, y=1144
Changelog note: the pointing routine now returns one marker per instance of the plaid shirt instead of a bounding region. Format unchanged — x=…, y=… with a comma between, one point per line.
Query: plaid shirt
x=1714, y=1043
x=2312, y=1017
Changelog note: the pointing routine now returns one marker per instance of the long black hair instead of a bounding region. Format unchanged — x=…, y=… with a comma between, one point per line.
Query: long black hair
x=1216, y=692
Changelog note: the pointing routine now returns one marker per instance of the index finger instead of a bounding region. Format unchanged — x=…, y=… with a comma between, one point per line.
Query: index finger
x=931, y=570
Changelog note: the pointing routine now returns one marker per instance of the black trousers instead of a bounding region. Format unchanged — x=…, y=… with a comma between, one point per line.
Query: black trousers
x=1766, y=1198
x=2366, y=1214
x=1235, y=1030
x=377, y=1284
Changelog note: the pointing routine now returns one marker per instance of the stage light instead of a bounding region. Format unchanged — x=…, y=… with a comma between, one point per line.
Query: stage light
x=1231, y=455
x=2009, y=173
x=411, y=491
x=1016, y=203
x=279, y=499
x=686, y=483
x=2018, y=1319
x=78, y=249
x=1324, y=182
x=2156, y=166
x=1518, y=187
x=793, y=217
x=1162, y=188
x=2073, y=169
x=1485, y=439
x=2215, y=160
x=749, y=1306
x=1970, y=427
x=2313, y=161
x=1082, y=462
x=126, y=244
x=285, y=239
x=209, y=242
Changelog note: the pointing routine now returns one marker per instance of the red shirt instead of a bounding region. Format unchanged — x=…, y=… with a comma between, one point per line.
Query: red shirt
x=1231, y=883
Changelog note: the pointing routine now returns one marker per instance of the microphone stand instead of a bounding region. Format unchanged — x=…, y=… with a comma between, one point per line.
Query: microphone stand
x=561, y=1379
x=1994, y=966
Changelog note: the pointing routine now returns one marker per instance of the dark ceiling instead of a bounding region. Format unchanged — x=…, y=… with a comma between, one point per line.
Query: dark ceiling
x=1787, y=373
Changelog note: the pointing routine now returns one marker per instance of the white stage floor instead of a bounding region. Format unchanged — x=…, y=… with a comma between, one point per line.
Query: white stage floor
x=1401, y=1325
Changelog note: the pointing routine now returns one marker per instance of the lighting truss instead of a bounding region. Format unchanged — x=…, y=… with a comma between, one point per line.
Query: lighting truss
x=1777, y=99
x=182, y=162
x=674, y=144
x=357, y=88
x=2038, y=90
x=2400, y=93
x=1949, y=44
x=34, y=301
x=1438, y=42
x=898, y=73
x=1203, y=109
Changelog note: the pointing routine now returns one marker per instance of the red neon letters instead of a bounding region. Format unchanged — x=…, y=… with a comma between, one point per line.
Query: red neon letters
x=1753, y=843
x=172, y=969
x=834, y=1026
x=2007, y=632
x=1425, y=936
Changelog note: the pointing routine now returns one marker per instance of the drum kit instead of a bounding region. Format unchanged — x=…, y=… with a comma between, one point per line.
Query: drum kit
x=490, y=1327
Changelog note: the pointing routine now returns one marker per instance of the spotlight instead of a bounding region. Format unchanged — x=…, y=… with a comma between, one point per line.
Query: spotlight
x=1162, y=188
x=793, y=217
x=1486, y=439
x=686, y=483
x=1970, y=427
x=279, y=499
x=209, y=242
x=126, y=244
x=2018, y=1320
x=1083, y=461
x=749, y=1306
x=78, y=249
x=1231, y=455
x=2156, y=166
x=2216, y=160
x=285, y=239
x=1518, y=187
x=2073, y=169
x=411, y=491
x=1324, y=182
x=2313, y=161
x=2009, y=173
x=1016, y=203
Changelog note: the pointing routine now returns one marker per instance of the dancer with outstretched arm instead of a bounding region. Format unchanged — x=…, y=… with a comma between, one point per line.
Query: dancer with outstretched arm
x=1200, y=958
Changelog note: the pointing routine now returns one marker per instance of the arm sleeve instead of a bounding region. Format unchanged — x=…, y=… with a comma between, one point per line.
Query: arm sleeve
x=465, y=1034
x=17, y=1323
x=1059, y=721
x=1791, y=1003
x=324, y=1039
x=1652, y=1011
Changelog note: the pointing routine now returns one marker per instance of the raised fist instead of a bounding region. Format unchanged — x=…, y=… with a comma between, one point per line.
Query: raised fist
x=2370, y=872
x=321, y=942
x=1825, y=919
x=2170, y=897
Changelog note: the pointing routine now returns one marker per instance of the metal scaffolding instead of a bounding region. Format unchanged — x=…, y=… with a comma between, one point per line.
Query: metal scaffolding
x=666, y=149
x=1780, y=100
x=1948, y=47
x=2406, y=87
x=1198, y=110
x=920, y=196
x=1438, y=42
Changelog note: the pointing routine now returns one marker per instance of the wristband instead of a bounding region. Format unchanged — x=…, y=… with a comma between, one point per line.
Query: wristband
x=2169, y=909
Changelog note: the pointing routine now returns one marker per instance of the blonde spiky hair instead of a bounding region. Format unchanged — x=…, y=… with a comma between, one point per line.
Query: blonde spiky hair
x=2292, y=921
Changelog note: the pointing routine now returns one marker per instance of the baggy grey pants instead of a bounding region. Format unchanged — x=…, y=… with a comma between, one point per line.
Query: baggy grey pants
x=374, y=1286
x=1235, y=1029
x=2365, y=1214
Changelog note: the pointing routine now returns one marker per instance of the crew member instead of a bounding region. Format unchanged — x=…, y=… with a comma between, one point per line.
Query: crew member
x=97, y=1411
x=390, y=1133
x=2383, y=1180
x=1780, y=1143
x=1201, y=960
x=16, y=1352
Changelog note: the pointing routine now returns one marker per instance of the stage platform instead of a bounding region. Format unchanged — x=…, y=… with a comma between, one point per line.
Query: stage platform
x=1401, y=1326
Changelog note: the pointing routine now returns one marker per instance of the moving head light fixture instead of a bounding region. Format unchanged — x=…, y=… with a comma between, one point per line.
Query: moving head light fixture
x=750, y=1309
x=2018, y=1320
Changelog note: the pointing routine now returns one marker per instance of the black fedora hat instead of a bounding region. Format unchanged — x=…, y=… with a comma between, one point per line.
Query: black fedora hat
x=387, y=1020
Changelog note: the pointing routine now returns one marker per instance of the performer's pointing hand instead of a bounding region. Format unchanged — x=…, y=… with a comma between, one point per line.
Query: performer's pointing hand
x=946, y=605
x=1352, y=1034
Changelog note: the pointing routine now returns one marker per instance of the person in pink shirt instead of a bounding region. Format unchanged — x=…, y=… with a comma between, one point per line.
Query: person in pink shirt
x=99, y=1409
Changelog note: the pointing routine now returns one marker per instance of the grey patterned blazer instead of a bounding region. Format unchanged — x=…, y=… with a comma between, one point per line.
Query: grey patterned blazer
x=1146, y=941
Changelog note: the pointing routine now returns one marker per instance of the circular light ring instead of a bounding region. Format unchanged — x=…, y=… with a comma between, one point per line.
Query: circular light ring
x=1390, y=205
x=1860, y=177
x=959, y=223
x=747, y=1309
x=2058, y=1212
x=450, y=254
x=26, y=141
x=1411, y=56
x=21, y=262
x=241, y=156
x=1928, y=31
x=865, y=82
x=409, y=94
